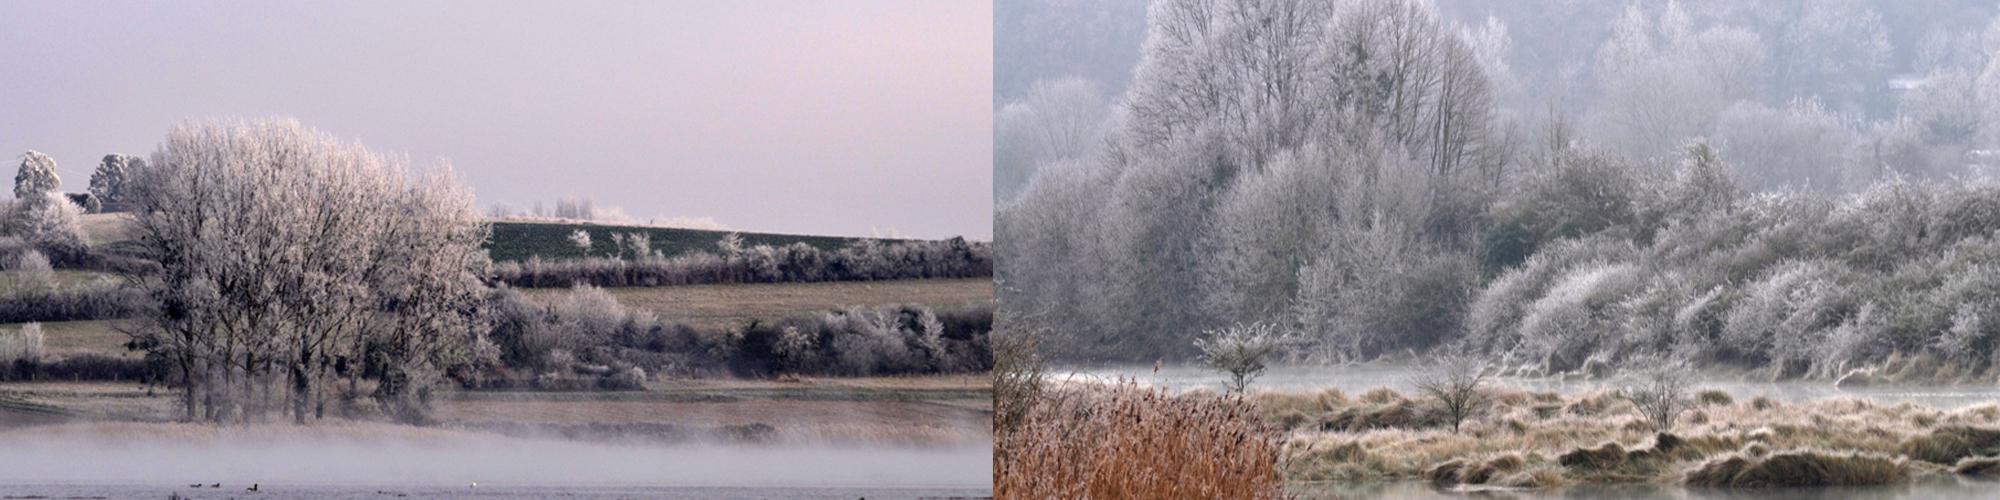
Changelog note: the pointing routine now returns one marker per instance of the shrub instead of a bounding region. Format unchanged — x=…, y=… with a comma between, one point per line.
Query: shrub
x=100, y=299
x=1660, y=392
x=21, y=344
x=1239, y=351
x=48, y=223
x=1456, y=385
x=1018, y=378
x=587, y=326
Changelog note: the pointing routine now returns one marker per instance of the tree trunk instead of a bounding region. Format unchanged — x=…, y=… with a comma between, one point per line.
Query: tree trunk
x=301, y=385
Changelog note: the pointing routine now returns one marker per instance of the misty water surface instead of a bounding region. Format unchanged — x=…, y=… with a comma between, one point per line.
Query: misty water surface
x=1937, y=488
x=448, y=464
x=1355, y=379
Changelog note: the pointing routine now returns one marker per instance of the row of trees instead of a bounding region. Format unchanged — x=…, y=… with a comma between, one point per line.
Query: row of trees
x=867, y=259
x=586, y=334
x=1363, y=174
x=289, y=261
x=36, y=178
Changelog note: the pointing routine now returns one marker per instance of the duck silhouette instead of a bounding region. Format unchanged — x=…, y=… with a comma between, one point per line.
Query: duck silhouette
x=252, y=488
x=216, y=485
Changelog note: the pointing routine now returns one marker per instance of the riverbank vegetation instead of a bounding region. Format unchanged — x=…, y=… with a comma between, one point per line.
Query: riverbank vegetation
x=1374, y=178
x=266, y=270
x=1528, y=439
x=1126, y=441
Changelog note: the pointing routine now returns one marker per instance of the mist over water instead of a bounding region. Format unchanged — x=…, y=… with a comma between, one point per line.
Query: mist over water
x=1356, y=379
x=437, y=458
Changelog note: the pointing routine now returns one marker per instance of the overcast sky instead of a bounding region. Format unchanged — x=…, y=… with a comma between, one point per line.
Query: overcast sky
x=849, y=117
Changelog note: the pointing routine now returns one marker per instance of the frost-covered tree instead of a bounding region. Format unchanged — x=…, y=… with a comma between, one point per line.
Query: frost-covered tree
x=37, y=176
x=282, y=250
x=1240, y=351
x=1836, y=51
x=1662, y=81
x=1058, y=119
x=108, y=182
x=1801, y=146
x=49, y=223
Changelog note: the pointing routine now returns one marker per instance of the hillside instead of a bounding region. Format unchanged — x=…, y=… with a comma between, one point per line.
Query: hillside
x=519, y=240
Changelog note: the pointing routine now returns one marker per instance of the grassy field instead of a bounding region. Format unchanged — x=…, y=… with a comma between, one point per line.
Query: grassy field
x=104, y=229
x=61, y=338
x=720, y=305
x=10, y=280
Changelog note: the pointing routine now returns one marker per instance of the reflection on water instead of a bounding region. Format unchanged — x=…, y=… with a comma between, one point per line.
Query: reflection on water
x=1941, y=488
x=1356, y=378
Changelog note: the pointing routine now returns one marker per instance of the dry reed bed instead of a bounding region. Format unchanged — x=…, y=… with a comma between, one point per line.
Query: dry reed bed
x=1540, y=440
x=1087, y=440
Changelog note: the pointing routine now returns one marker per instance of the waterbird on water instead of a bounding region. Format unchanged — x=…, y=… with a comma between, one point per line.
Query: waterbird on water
x=252, y=488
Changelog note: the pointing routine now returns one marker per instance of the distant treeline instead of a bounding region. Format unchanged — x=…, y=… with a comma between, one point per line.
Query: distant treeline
x=586, y=339
x=797, y=262
x=513, y=241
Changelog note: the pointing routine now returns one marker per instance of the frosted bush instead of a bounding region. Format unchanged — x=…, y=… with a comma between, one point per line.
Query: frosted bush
x=1563, y=327
x=24, y=343
x=31, y=261
x=1239, y=351
x=581, y=239
x=49, y=223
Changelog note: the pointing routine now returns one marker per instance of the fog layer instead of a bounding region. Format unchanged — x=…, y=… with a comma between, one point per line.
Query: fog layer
x=402, y=456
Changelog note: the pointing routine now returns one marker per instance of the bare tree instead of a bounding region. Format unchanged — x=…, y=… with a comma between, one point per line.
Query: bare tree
x=1456, y=383
x=1239, y=351
x=1661, y=391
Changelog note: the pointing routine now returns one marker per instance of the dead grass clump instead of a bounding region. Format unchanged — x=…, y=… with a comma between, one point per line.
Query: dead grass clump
x=1294, y=410
x=1593, y=404
x=1463, y=471
x=1344, y=461
x=1125, y=441
x=1604, y=457
x=1714, y=397
x=1380, y=395
x=1798, y=469
x=1978, y=467
x=1398, y=414
x=1761, y=403
x=1947, y=445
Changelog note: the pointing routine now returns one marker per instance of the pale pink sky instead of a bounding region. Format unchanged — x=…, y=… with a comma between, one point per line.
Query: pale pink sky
x=829, y=117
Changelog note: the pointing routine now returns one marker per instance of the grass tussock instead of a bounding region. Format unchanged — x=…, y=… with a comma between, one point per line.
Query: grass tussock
x=1798, y=468
x=1124, y=441
x=1948, y=445
x=1529, y=439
